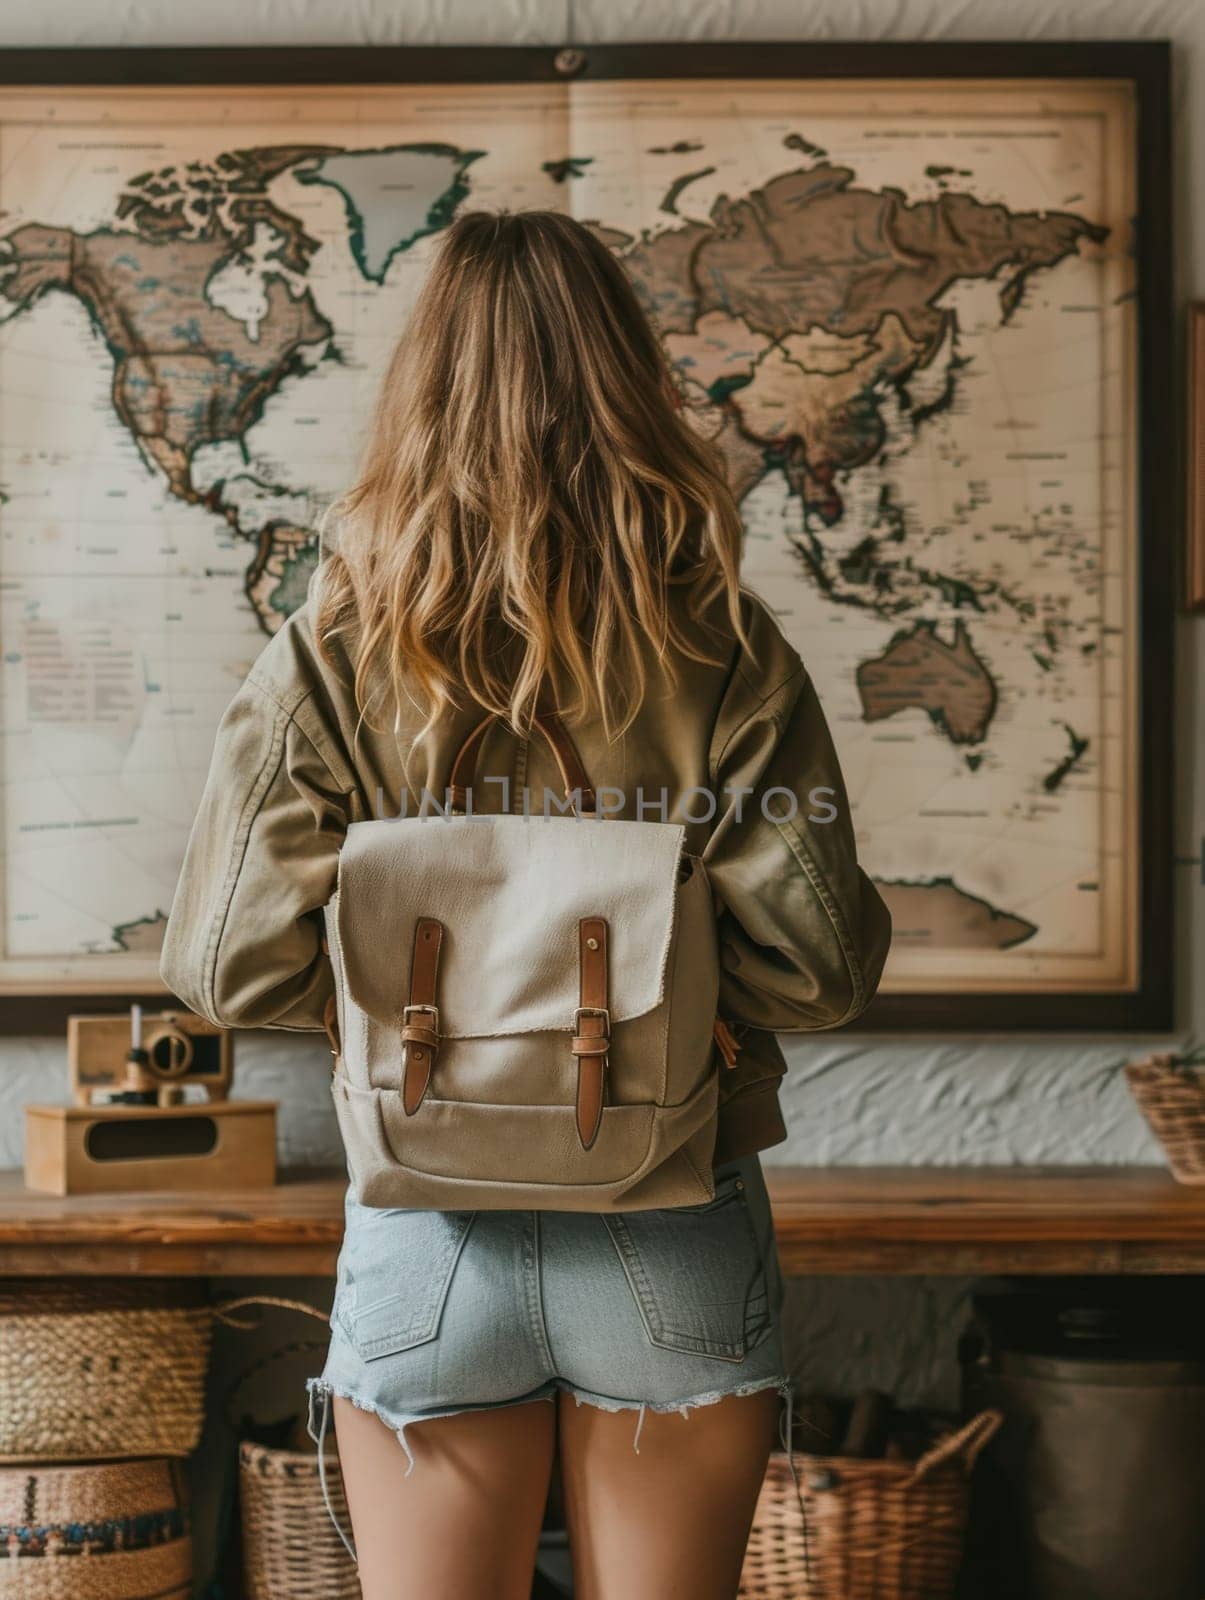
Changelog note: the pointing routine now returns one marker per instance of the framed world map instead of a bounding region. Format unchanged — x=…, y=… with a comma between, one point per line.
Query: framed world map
x=919, y=294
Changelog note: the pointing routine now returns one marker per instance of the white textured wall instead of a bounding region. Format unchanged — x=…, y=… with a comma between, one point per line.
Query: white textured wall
x=848, y=1099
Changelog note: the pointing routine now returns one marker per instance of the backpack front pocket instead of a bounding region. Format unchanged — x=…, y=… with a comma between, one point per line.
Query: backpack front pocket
x=395, y=1272
x=697, y=1274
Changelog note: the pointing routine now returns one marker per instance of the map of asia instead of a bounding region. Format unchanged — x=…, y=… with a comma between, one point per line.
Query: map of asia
x=905, y=310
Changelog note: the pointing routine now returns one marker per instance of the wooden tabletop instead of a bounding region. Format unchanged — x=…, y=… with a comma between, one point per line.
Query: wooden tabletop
x=844, y=1220
x=955, y=1220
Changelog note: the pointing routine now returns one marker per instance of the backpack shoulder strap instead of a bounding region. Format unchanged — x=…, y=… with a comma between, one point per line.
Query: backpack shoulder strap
x=548, y=724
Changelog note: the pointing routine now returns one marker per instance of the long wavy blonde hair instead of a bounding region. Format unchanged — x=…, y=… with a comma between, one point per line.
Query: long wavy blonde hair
x=529, y=493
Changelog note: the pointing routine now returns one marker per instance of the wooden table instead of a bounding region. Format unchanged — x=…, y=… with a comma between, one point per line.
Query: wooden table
x=872, y=1220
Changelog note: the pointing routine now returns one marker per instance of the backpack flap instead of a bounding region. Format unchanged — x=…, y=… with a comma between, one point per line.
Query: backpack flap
x=510, y=893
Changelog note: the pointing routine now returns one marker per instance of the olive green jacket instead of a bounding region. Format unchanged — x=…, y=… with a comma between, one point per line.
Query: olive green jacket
x=803, y=932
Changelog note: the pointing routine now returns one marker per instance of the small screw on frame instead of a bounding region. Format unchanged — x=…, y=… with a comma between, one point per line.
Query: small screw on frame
x=569, y=62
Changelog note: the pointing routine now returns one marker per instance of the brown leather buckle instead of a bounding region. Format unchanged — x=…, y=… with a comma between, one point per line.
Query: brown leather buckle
x=592, y=1011
x=432, y=1011
x=591, y=1044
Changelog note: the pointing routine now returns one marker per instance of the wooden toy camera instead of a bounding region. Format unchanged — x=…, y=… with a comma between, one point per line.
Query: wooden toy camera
x=174, y=1049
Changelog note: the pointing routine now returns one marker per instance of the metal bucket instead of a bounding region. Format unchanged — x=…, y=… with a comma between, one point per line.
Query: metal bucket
x=1095, y=1487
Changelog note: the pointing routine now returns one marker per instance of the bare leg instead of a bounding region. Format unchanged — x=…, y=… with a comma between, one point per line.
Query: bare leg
x=672, y=1521
x=466, y=1522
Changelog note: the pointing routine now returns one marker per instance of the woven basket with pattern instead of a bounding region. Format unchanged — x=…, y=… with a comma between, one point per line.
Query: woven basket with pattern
x=1171, y=1096
x=290, y=1549
x=865, y=1530
x=95, y=1368
x=111, y=1531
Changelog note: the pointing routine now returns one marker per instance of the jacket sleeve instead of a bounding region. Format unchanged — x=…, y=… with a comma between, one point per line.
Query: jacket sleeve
x=243, y=944
x=803, y=931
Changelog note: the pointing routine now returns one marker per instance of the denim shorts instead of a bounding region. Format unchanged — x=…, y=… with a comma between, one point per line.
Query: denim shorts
x=439, y=1312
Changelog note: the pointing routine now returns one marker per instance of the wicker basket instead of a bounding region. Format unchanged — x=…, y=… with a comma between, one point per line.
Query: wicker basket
x=99, y=1368
x=117, y=1531
x=1171, y=1096
x=875, y=1530
x=290, y=1549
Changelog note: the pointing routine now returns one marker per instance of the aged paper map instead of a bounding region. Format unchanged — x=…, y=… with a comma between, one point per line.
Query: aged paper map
x=904, y=308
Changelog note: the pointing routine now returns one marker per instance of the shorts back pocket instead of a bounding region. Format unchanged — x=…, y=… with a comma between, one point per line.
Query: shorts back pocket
x=697, y=1274
x=394, y=1275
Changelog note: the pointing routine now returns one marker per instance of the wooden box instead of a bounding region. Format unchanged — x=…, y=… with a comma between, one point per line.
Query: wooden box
x=109, y=1149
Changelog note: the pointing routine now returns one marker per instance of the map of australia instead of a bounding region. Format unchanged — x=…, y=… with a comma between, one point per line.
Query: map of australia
x=830, y=324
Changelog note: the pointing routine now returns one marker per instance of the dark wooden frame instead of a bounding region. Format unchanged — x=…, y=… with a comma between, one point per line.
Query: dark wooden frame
x=1146, y=65
x=1194, y=453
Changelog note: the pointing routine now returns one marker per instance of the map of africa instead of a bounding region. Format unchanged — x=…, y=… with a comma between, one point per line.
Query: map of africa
x=903, y=310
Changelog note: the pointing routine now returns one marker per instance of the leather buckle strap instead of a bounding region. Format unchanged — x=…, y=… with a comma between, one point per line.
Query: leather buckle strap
x=589, y=1044
x=591, y=1028
x=420, y=1017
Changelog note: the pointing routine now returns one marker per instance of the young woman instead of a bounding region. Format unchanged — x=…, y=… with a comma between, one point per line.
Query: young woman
x=537, y=515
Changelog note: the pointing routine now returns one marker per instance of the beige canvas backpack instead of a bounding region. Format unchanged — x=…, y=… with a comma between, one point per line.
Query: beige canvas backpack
x=524, y=1006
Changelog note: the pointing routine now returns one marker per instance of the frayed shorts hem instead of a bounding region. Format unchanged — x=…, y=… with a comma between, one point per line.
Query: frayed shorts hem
x=321, y=1392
